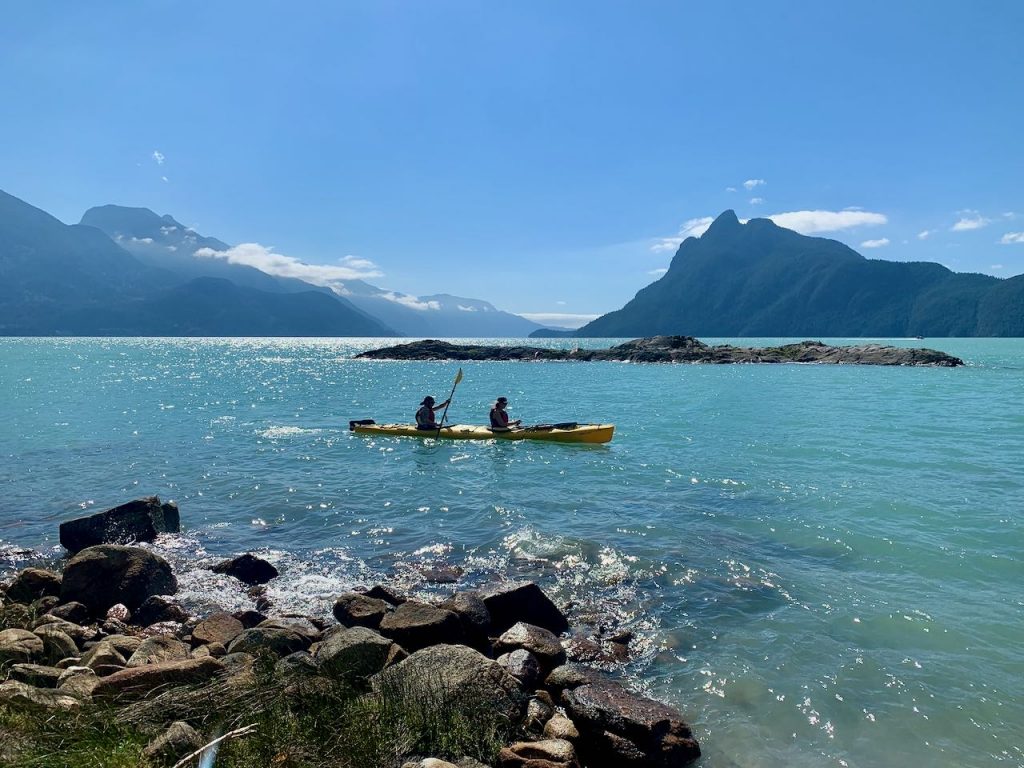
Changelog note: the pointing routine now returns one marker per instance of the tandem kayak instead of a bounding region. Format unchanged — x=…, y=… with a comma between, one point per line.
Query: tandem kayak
x=568, y=432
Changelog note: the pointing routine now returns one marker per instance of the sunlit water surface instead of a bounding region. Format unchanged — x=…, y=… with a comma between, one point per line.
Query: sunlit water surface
x=822, y=564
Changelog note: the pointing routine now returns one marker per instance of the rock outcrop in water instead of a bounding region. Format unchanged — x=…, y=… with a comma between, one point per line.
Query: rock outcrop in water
x=499, y=662
x=672, y=349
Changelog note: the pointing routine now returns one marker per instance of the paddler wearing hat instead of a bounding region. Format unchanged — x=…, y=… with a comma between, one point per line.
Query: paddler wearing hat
x=499, y=416
x=425, y=418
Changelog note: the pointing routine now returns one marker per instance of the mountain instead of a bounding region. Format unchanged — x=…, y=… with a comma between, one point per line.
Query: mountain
x=59, y=279
x=759, y=279
x=437, y=315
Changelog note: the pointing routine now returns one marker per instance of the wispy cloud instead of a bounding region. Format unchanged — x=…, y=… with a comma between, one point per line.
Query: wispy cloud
x=730, y=189
x=970, y=220
x=749, y=184
x=924, y=234
x=996, y=267
x=559, y=319
x=158, y=156
x=811, y=222
x=880, y=243
x=1012, y=238
x=756, y=200
x=691, y=228
x=410, y=301
x=264, y=259
x=163, y=178
x=658, y=272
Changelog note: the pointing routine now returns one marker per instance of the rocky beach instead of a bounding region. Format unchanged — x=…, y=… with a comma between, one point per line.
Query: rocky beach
x=96, y=648
x=672, y=349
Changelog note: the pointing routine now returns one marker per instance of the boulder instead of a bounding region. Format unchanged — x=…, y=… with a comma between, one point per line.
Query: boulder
x=269, y=640
x=539, y=754
x=414, y=625
x=43, y=604
x=103, y=656
x=218, y=627
x=33, y=583
x=158, y=610
x=19, y=646
x=56, y=644
x=540, y=642
x=539, y=710
x=77, y=633
x=441, y=573
x=353, y=654
x=35, y=675
x=158, y=649
x=512, y=602
x=75, y=612
x=78, y=682
x=454, y=677
x=386, y=594
x=473, y=614
x=300, y=624
x=249, y=619
x=354, y=609
x=247, y=568
x=137, y=682
x=139, y=520
x=615, y=722
x=118, y=612
x=298, y=664
x=522, y=665
x=178, y=740
x=561, y=727
x=430, y=762
x=570, y=676
x=20, y=696
x=103, y=576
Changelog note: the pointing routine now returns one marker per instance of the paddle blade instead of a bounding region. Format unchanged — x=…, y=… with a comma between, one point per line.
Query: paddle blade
x=458, y=377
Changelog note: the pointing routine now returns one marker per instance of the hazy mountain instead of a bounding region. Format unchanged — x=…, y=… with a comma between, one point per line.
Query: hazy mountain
x=438, y=315
x=75, y=280
x=758, y=279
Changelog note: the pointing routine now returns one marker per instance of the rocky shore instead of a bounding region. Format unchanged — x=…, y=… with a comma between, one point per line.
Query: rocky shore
x=672, y=349
x=485, y=678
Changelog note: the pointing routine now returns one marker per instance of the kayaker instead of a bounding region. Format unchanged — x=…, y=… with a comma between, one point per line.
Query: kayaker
x=499, y=416
x=425, y=418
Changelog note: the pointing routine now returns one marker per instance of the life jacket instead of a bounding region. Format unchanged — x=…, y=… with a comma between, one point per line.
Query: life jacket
x=425, y=416
x=499, y=418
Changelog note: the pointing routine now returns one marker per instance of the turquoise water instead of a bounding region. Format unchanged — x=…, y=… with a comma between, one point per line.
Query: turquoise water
x=822, y=564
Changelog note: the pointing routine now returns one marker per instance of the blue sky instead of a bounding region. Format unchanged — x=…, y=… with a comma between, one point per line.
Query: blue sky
x=543, y=156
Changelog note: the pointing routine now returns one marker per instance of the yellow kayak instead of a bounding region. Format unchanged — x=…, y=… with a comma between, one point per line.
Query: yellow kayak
x=568, y=432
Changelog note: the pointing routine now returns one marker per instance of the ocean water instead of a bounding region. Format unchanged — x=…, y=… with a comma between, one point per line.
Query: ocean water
x=821, y=565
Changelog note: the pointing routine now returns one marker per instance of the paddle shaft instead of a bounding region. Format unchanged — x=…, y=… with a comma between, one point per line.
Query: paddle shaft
x=444, y=415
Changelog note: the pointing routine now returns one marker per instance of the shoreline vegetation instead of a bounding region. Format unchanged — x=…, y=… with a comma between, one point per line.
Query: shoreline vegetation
x=101, y=666
x=672, y=349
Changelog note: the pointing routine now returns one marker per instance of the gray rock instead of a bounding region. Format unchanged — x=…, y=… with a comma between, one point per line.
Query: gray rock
x=388, y=595
x=178, y=740
x=354, y=609
x=353, y=654
x=572, y=675
x=455, y=676
x=139, y=520
x=542, y=643
x=76, y=632
x=539, y=710
x=102, y=576
x=36, y=675
x=158, y=610
x=137, y=682
x=300, y=624
x=511, y=602
x=473, y=614
x=250, y=618
x=119, y=612
x=522, y=665
x=78, y=682
x=561, y=727
x=217, y=628
x=102, y=656
x=269, y=640
x=653, y=728
x=33, y=583
x=547, y=752
x=56, y=644
x=247, y=568
x=19, y=646
x=158, y=649
x=430, y=762
x=414, y=625
x=74, y=612
x=20, y=696
x=298, y=664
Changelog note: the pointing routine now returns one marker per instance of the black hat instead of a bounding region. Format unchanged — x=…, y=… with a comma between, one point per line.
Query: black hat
x=502, y=399
x=427, y=399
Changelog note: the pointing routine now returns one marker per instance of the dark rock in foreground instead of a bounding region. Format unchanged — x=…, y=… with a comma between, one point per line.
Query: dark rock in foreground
x=247, y=568
x=673, y=349
x=139, y=520
x=103, y=576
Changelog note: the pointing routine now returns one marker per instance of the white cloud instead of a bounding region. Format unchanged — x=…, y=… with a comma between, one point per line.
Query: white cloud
x=756, y=200
x=559, y=319
x=410, y=301
x=143, y=240
x=749, y=184
x=690, y=228
x=810, y=222
x=730, y=189
x=970, y=220
x=466, y=309
x=1011, y=238
x=658, y=272
x=158, y=156
x=996, y=266
x=560, y=303
x=163, y=178
x=880, y=243
x=264, y=259
x=168, y=230
x=924, y=234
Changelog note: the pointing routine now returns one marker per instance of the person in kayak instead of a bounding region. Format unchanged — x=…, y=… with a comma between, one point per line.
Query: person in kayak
x=499, y=416
x=425, y=418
